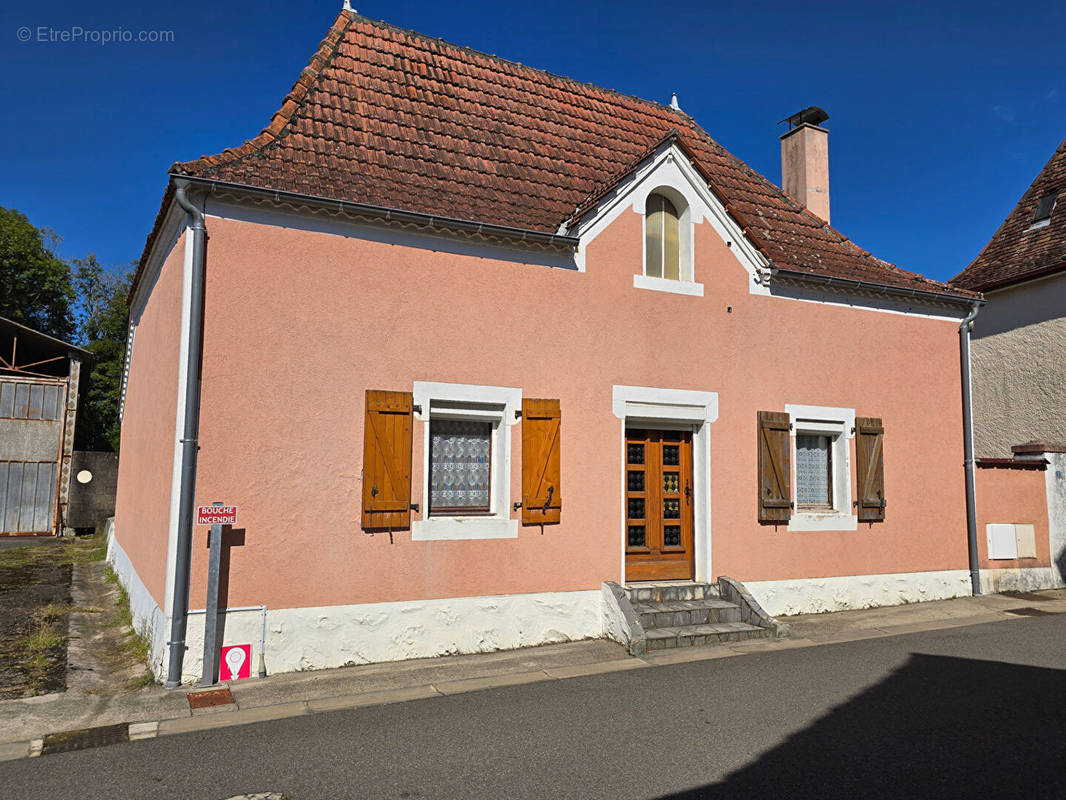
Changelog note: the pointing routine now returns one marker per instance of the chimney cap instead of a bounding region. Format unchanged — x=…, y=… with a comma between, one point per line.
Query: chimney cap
x=808, y=116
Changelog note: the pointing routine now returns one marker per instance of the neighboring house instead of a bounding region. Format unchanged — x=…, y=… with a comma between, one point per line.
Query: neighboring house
x=1019, y=345
x=39, y=385
x=478, y=339
x=1019, y=338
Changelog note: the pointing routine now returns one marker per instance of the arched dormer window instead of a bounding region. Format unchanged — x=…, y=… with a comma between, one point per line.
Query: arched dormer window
x=662, y=239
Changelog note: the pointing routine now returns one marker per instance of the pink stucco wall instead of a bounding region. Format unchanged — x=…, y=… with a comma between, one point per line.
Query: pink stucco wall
x=299, y=324
x=146, y=457
x=1012, y=496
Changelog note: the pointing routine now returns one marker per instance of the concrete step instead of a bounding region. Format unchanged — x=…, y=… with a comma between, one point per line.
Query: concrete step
x=669, y=591
x=679, y=613
x=695, y=635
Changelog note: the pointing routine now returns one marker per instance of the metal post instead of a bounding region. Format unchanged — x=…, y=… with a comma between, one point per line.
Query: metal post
x=210, y=669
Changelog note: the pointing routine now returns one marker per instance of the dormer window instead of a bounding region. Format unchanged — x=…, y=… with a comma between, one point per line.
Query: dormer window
x=668, y=238
x=662, y=239
x=1042, y=215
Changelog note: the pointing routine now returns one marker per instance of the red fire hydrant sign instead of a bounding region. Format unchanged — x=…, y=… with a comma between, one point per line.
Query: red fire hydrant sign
x=216, y=515
x=236, y=662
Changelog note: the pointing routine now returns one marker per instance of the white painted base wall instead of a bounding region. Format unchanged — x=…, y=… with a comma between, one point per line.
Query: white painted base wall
x=148, y=619
x=815, y=595
x=1026, y=579
x=335, y=636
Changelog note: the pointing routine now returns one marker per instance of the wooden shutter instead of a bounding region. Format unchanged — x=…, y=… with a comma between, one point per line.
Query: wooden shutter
x=542, y=500
x=387, y=460
x=869, y=455
x=775, y=467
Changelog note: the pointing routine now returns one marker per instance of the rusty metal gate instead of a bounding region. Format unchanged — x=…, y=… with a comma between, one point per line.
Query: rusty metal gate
x=31, y=436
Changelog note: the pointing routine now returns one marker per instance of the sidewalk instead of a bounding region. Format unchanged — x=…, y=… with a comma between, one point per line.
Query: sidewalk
x=26, y=724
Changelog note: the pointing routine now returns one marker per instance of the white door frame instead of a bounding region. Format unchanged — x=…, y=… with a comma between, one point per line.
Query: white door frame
x=675, y=409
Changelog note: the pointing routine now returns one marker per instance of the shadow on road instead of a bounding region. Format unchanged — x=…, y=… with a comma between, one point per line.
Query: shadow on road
x=938, y=727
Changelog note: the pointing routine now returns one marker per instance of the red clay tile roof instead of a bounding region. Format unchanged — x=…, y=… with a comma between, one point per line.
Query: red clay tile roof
x=392, y=118
x=1016, y=253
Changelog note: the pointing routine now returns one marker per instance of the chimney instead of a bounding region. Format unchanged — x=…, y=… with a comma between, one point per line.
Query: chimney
x=805, y=160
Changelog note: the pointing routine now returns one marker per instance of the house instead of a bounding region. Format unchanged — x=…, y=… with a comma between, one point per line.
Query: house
x=479, y=341
x=1019, y=348
x=40, y=378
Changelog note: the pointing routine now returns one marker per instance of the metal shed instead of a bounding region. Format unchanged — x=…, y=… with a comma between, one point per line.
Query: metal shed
x=39, y=385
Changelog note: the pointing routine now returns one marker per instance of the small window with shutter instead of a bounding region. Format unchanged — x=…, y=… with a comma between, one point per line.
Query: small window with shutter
x=466, y=486
x=821, y=460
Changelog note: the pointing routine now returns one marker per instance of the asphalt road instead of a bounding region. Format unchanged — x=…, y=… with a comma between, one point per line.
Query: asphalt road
x=966, y=712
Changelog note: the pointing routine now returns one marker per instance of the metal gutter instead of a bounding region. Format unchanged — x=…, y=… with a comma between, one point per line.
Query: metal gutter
x=386, y=214
x=1022, y=278
x=189, y=445
x=968, y=460
x=882, y=288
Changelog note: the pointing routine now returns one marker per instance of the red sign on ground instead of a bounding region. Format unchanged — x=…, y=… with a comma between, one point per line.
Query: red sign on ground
x=236, y=662
x=216, y=515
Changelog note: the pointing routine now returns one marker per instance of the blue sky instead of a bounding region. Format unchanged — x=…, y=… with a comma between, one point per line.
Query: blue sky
x=941, y=114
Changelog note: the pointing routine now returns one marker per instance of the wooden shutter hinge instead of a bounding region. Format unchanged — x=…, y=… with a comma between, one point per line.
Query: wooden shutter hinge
x=517, y=505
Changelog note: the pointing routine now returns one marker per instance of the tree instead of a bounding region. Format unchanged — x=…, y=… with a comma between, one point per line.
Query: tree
x=103, y=324
x=35, y=285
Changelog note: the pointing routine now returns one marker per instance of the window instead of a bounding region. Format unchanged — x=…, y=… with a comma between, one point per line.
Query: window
x=460, y=467
x=821, y=459
x=814, y=472
x=662, y=241
x=466, y=479
x=1042, y=215
x=668, y=240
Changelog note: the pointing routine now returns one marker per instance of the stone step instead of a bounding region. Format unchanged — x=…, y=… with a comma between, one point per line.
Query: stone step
x=678, y=613
x=670, y=591
x=695, y=635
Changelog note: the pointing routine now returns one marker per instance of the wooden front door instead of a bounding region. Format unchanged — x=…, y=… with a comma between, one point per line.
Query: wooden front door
x=658, y=501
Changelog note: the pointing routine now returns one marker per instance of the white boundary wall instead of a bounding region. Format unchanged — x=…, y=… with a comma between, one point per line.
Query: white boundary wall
x=148, y=619
x=815, y=595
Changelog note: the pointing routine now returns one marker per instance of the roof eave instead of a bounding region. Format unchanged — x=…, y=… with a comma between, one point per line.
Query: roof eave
x=961, y=300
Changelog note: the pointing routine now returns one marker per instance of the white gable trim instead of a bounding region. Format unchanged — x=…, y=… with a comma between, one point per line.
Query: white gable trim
x=670, y=167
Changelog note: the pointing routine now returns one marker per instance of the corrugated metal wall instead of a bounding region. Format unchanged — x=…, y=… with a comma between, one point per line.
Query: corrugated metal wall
x=31, y=429
x=27, y=496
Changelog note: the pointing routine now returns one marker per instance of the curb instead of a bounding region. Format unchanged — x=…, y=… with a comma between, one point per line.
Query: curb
x=138, y=731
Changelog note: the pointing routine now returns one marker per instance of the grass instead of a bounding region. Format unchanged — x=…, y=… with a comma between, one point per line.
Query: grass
x=133, y=648
x=40, y=654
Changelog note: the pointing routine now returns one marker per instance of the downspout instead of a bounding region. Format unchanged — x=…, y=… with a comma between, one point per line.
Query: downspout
x=183, y=558
x=967, y=435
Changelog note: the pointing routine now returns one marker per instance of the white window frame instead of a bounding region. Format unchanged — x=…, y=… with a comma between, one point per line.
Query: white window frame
x=461, y=401
x=686, y=242
x=838, y=424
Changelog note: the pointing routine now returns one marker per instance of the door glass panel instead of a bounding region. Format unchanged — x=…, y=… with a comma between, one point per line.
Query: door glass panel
x=635, y=482
x=636, y=507
x=671, y=509
x=636, y=536
x=672, y=535
x=671, y=455
x=670, y=482
x=635, y=453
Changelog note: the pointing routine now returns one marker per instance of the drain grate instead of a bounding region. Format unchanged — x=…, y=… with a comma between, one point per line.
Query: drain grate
x=212, y=697
x=1029, y=611
x=84, y=739
x=1032, y=597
